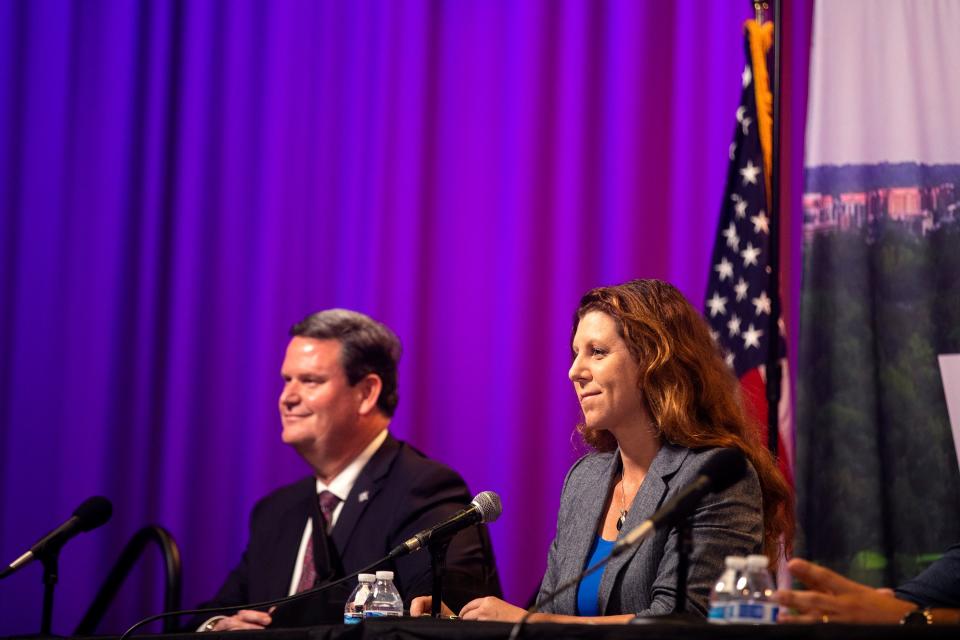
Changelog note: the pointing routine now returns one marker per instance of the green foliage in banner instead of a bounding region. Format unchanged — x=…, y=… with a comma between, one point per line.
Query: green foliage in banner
x=878, y=482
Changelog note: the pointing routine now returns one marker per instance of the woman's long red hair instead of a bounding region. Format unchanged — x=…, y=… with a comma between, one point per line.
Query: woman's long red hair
x=691, y=394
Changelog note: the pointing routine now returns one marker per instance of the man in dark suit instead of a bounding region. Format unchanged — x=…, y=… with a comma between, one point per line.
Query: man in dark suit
x=368, y=491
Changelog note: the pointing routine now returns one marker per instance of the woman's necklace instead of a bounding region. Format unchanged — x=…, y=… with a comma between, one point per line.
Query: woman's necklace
x=623, y=505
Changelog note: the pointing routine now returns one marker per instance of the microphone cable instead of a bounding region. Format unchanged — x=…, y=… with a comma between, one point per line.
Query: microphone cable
x=550, y=597
x=254, y=605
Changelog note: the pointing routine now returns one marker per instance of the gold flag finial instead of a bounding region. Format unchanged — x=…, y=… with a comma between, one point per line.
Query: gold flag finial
x=760, y=8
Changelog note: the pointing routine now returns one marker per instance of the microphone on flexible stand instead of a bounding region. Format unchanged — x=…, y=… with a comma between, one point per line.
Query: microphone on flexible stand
x=485, y=507
x=719, y=472
x=91, y=513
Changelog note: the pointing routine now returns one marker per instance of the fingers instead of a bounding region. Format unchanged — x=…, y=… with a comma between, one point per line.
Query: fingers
x=244, y=619
x=490, y=608
x=480, y=609
x=820, y=578
x=786, y=617
x=803, y=607
x=232, y=624
x=261, y=618
x=807, y=601
x=421, y=605
x=885, y=591
x=471, y=608
x=812, y=575
x=785, y=597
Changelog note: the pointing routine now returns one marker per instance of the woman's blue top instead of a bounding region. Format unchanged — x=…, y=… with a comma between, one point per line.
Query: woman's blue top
x=589, y=587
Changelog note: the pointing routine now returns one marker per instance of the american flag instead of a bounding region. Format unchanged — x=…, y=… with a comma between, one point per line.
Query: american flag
x=738, y=306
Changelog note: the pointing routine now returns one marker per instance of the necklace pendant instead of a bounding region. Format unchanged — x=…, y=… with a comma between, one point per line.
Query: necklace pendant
x=621, y=520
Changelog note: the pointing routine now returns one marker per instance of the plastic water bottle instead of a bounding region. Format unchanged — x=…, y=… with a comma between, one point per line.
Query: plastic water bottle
x=385, y=599
x=353, y=609
x=756, y=604
x=723, y=598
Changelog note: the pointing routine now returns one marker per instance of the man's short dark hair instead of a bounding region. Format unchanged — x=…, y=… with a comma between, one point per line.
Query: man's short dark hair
x=366, y=346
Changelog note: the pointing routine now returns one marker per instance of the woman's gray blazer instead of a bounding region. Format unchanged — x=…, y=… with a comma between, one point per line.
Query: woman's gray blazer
x=643, y=580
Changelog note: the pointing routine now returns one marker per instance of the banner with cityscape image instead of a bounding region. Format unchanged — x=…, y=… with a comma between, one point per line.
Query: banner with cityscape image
x=877, y=473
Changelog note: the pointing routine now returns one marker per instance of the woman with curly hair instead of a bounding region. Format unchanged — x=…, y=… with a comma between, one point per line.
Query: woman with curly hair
x=658, y=403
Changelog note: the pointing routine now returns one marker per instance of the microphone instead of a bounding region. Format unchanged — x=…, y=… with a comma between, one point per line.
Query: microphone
x=485, y=507
x=719, y=472
x=92, y=513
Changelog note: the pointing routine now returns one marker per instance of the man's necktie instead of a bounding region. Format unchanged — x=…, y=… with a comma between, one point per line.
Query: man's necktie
x=308, y=576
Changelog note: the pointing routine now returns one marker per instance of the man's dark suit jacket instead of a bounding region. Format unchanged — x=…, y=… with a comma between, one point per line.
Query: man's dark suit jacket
x=938, y=585
x=397, y=494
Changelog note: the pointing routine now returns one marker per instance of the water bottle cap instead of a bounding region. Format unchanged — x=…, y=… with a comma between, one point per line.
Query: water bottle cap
x=758, y=561
x=366, y=577
x=384, y=575
x=735, y=562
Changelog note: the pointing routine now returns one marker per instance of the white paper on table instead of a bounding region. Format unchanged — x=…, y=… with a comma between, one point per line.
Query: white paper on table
x=950, y=374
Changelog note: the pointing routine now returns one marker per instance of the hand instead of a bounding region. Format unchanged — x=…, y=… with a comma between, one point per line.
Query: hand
x=491, y=608
x=243, y=619
x=833, y=598
x=422, y=605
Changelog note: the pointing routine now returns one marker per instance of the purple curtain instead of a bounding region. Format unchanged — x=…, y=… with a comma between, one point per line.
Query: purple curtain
x=181, y=181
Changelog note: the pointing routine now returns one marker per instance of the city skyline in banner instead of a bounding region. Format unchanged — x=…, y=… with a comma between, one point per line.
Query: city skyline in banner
x=878, y=480
x=916, y=197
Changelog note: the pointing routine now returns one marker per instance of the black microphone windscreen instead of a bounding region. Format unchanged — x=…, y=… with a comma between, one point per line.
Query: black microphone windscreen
x=93, y=512
x=724, y=468
x=488, y=503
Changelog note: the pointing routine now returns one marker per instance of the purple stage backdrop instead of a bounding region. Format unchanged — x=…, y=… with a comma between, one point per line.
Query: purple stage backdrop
x=181, y=181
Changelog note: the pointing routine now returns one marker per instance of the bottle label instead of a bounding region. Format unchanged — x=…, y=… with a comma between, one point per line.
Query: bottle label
x=717, y=614
x=352, y=618
x=754, y=613
x=381, y=614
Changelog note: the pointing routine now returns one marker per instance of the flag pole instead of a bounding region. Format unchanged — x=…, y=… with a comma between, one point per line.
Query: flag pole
x=774, y=355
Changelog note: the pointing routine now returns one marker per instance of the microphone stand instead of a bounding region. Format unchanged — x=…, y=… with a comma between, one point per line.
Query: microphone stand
x=679, y=615
x=50, y=560
x=438, y=565
x=684, y=548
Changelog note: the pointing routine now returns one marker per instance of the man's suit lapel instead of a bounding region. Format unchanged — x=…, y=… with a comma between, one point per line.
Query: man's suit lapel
x=645, y=503
x=364, y=490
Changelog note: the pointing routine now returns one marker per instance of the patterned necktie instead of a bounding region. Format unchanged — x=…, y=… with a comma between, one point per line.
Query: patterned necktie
x=308, y=576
